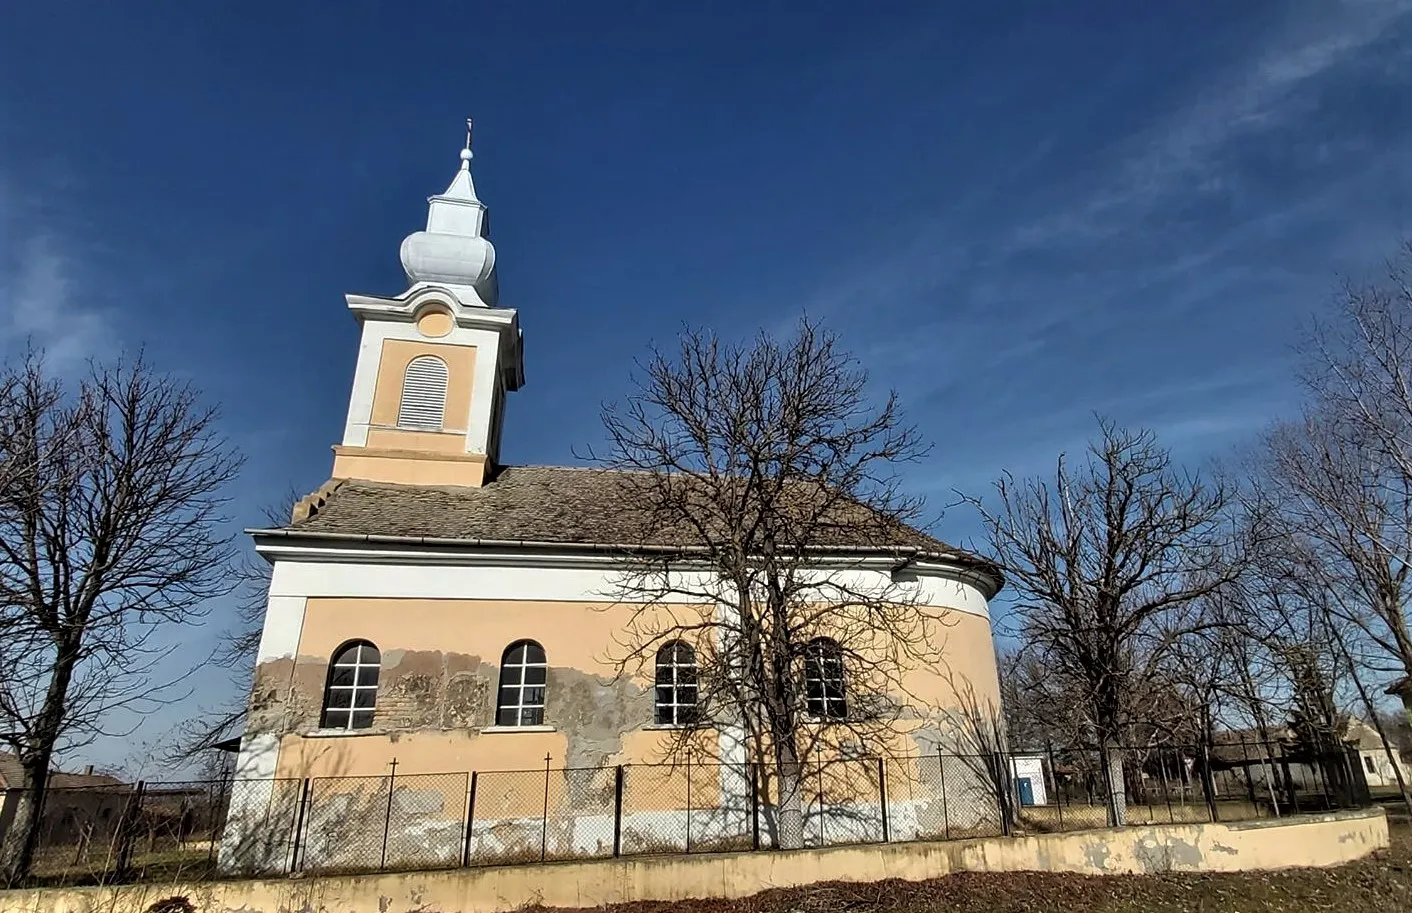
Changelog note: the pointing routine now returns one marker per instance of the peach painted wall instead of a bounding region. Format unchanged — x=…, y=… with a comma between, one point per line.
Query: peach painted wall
x=396, y=354
x=440, y=672
x=435, y=322
x=410, y=467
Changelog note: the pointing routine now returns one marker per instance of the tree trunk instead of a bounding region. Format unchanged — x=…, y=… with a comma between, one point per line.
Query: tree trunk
x=21, y=840
x=1117, y=790
x=791, y=806
x=22, y=837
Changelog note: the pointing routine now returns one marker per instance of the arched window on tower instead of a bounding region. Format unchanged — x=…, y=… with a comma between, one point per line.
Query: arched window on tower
x=423, y=405
x=523, y=672
x=824, y=680
x=676, y=684
x=352, y=690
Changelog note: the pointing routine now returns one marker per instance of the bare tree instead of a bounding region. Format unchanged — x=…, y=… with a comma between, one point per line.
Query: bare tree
x=772, y=474
x=1109, y=563
x=239, y=641
x=1342, y=477
x=1040, y=708
x=110, y=528
x=1281, y=665
x=1343, y=471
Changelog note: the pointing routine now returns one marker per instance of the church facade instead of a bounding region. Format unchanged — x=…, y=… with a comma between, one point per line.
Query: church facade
x=432, y=610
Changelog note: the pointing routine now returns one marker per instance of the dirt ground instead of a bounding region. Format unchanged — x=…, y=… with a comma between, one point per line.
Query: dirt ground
x=1379, y=884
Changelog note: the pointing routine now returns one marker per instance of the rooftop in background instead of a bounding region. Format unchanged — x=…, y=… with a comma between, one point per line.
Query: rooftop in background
x=12, y=776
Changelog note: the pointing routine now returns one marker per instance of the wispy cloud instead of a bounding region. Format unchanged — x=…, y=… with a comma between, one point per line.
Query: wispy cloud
x=1183, y=151
x=43, y=285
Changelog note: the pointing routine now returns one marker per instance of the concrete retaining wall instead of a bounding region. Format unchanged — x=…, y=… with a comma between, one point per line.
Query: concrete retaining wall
x=1313, y=840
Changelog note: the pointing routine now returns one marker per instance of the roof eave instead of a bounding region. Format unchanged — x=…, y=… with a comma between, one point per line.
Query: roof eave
x=987, y=576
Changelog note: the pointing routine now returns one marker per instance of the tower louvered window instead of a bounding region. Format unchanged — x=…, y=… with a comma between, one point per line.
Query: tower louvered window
x=423, y=405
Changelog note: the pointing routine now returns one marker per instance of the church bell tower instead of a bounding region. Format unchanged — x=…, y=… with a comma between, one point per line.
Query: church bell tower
x=436, y=361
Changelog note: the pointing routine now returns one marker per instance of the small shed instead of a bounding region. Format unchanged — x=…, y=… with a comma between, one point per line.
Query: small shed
x=1028, y=774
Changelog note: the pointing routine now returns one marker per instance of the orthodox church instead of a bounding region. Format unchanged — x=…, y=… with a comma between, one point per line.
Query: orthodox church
x=432, y=610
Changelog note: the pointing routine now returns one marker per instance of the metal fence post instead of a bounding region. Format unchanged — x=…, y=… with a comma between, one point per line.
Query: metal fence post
x=1208, y=782
x=688, y=802
x=1166, y=787
x=823, y=840
x=1002, y=790
x=1267, y=770
x=1320, y=763
x=544, y=822
x=618, y=812
x=127, y=829
x=941, y=771
x=1249, y=783
x=1054, y=777
x=755, y=805
x=217, y=816
x=306, y=796
x=387, y=819
x=1292, y=795
x=882, y=797
x=470, y=820
x=1110, y=799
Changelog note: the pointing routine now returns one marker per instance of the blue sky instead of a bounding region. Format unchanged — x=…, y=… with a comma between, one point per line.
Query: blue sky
x=1016, y=214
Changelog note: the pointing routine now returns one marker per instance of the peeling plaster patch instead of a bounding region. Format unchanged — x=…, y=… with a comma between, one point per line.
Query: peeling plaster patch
x=594, y=713
x=1222, y=848
x=1097, y=853
x=1184, y=854
x=467, y=696
x=1152, y=856
x=1173, y=854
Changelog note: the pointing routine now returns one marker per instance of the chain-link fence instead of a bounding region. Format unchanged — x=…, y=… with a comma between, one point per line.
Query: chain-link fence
x=194, y=830
x=1073, y=789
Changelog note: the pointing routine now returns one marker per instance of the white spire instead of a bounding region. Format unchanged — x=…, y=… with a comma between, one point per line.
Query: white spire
x=453, y=250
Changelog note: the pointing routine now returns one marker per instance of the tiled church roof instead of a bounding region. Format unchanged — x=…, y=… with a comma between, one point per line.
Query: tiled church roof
x=550, y=504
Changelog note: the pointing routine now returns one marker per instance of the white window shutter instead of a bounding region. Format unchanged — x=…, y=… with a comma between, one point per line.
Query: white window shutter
x=423, y=405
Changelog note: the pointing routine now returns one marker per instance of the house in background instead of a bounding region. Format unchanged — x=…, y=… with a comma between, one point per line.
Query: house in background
x=1357, y=764
x=433, y=610
x=78, y=806
x=1378, y=768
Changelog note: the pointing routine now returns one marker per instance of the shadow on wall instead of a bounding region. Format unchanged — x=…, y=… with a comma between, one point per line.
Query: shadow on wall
x=496, y=817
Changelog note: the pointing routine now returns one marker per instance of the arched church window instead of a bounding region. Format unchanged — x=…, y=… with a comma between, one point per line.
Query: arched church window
x=423, y=404
x=352, y=690
x=676, y=684
x=523, y=672
x=824, y=680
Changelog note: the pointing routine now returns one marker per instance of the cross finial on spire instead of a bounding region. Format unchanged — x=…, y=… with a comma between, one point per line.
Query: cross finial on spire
x=466, y=152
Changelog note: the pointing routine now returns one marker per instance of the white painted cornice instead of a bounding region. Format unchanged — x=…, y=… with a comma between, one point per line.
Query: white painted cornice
x=408, y=306
x=294, y=545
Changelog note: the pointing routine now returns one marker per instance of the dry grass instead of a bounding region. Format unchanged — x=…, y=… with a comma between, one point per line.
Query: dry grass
x=1379, y=884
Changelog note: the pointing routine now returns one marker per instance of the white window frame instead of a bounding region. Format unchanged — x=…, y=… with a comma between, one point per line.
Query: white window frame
x=366, y=666
x=514, y=680
x=424, y=383
x=670, y=660
x=823, y=666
